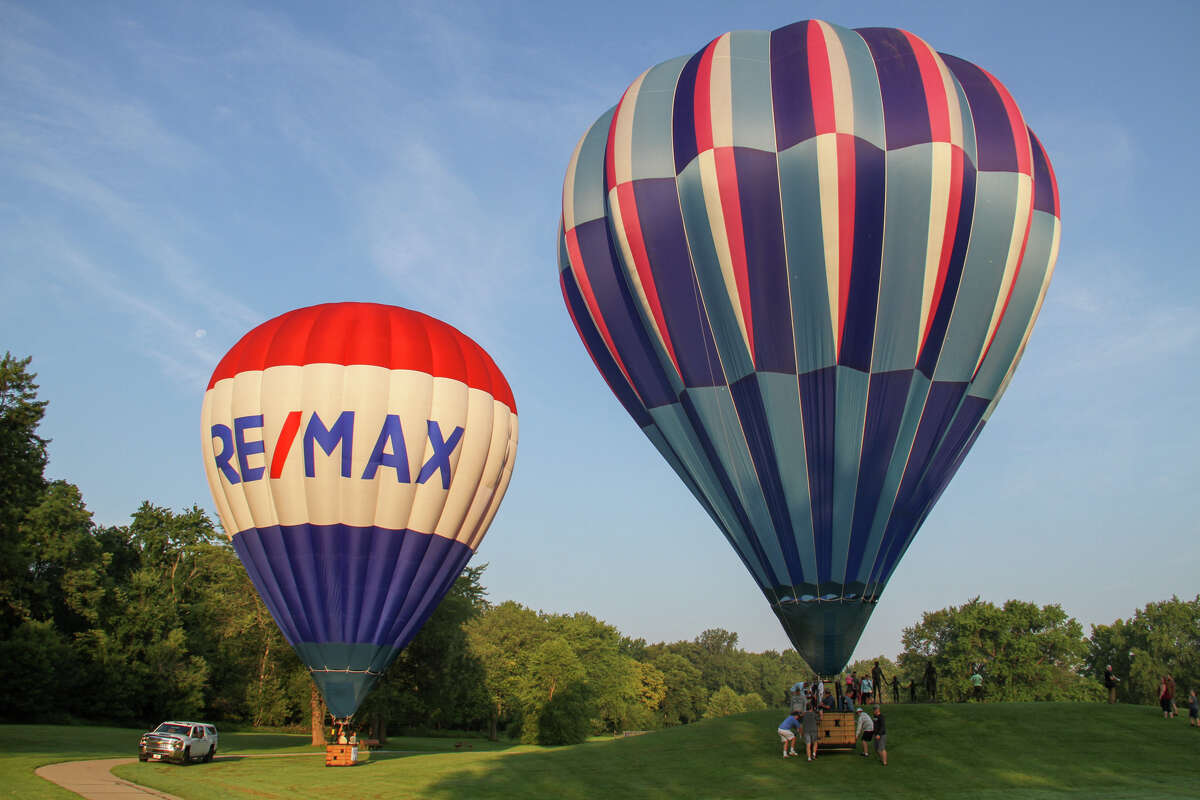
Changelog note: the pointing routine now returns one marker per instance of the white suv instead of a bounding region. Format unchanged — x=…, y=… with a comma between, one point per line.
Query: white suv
x=182, y=742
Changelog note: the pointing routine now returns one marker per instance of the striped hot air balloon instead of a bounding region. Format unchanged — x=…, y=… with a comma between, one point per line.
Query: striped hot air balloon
x=357, y=454
x=807, y=262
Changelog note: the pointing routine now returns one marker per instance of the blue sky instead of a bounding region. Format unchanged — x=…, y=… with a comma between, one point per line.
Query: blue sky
x=173, y=174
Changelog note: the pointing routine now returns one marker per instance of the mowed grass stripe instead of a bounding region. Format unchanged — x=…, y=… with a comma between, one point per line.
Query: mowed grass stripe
x=1017, y=750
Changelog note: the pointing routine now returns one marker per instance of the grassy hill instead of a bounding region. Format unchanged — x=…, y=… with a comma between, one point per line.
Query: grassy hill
x=1042, y=750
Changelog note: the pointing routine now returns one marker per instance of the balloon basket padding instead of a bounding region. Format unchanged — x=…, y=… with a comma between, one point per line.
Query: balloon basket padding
x=341, y=755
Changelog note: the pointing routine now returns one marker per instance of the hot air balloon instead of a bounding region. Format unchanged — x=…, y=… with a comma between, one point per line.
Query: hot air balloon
x=357, y=454
x=807, y=262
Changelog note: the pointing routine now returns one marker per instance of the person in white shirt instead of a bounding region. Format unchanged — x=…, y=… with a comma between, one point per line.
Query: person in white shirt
x=864, y=728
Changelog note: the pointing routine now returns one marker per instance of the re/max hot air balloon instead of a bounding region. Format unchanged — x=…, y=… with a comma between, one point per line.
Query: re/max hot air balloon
x=807, y=262
x=357, y=454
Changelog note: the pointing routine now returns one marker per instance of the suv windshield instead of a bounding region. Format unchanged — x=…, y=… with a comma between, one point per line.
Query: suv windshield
x=166, y=727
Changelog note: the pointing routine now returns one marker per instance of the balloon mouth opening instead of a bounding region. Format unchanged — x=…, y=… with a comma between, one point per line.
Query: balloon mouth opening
x=811, y=594
x=829, y=597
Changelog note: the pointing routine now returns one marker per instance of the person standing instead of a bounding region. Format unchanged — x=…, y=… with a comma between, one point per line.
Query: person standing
x=880, y=735
x=787, y=733
x=879, y=680
x=1164, y=698
x=812, y=720
x=931, y=681
x=1171, y=694
x=977, y=685
x=895, y=688
x=864, y=728
x=1110, y=683
x=1193, y=710
x=867, y=688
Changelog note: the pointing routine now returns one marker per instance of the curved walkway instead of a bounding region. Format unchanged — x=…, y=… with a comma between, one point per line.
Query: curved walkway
x=93, y=780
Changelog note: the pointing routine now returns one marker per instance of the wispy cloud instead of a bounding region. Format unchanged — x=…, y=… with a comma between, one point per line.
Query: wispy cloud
x=70, y=133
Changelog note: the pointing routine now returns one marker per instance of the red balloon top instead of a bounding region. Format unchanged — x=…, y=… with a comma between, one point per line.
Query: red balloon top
x=366, y=333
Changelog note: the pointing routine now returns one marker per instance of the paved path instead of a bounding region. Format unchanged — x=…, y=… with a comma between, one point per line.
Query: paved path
x=94, y=781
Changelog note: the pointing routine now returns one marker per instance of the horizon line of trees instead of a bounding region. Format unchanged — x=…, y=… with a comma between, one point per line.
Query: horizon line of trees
x=157, y=618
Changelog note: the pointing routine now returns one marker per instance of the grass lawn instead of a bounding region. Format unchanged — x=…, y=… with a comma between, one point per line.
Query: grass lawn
x=1036, y=750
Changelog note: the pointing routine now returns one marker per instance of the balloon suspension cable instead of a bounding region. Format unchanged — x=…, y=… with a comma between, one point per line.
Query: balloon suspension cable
x=339, y=726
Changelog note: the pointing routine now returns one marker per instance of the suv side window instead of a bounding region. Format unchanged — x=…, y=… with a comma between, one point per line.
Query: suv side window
x=197, y=733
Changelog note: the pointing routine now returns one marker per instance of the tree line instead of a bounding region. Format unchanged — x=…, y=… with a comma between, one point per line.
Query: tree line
x=136, y=623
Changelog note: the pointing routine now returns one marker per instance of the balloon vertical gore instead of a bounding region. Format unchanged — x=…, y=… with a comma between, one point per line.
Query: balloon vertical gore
x=807, y=262
x=357, y=454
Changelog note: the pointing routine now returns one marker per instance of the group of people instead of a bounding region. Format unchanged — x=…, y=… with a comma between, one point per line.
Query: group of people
x=807, y=723
x=1166, y=696
x=833, y=697
x=1166, y=700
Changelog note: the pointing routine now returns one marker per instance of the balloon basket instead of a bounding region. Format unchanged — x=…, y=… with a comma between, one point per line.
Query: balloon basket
x=836, y=730
x=341, y=755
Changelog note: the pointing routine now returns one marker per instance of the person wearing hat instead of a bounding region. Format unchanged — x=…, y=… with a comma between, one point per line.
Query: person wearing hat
x=864, y=728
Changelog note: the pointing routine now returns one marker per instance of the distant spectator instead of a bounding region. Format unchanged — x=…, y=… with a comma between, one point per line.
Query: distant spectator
x=931, y=681
x=787, y=733
x=895, y=689
x=864, y=728
x=878, y=681
x=1110, y=683
x=1193, y=710
x=1171, y=693
x=1164, y=697
x=977, y=685
x=852, y=687
x=880, y=735
x=866, y=688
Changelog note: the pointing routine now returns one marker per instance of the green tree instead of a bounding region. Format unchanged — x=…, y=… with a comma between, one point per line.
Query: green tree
x=685, y=695
x=1024, y=652
x=724, y=701
x=1163, y=638
x=22, y=463
x=500, y=639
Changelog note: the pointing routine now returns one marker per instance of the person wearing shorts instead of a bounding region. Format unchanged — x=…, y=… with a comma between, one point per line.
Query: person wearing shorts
x=864, y=728
x=1193, y=709
x=811, y=731
x=787, y=733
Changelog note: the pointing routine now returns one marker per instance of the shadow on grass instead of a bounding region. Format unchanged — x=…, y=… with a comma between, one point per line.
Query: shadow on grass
x=1027, y=750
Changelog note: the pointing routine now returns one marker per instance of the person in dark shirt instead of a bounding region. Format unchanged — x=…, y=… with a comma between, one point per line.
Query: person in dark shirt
x=1110, y=683
x=879, y=681
x=931, y=681
x=1193, y=709
x=812, y=719
x=880, y=736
